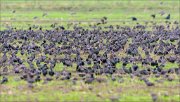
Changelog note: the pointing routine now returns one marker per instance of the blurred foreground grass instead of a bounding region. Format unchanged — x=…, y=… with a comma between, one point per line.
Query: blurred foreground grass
x=124, y=89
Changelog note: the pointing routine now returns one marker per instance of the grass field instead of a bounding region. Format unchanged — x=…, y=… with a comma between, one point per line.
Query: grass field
x=88, y=12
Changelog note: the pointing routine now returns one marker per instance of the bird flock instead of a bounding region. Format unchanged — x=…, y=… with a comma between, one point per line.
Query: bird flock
x=36, y=55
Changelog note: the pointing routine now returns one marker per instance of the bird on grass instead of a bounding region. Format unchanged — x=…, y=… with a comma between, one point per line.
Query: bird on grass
x=4, y=80
x=35, y=17
x=168, y=17
x=148, y=83
x=134, y=18
x=162, y=13
x=14, y=11
x=153, y=16
x=154, y=97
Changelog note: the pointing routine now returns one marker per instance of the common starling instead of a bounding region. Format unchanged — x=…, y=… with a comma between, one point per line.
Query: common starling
x=168, y=17
x=148, y=83
x=153, y=16
x=154, y=97
x=35, y=17
x=51, y=72
x=134, y=19
x=14, y=11
x=89, y=80
x=4, y=80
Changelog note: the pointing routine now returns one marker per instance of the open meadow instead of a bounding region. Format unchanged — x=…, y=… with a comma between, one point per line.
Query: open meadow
x=114, y=51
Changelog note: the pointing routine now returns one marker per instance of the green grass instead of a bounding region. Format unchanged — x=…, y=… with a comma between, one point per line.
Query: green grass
x=87, y=12
x=66, y=91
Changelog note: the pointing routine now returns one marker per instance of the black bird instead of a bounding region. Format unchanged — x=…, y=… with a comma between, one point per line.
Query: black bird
x=98, y=23
x=153, y=16
x=105, y=18
x=148, y=83
x=4, y=80
x=89, y=79
x=38, y=78
x=44, y=72
x=49, y=79
x=61, y=27
x=24, y=76
x=144, y=72
x=14, y=11
x=30, y=28
x=40, y=28
x=154, y=63
x=171, y=59
x=154, y=97
x=53, y=25
x=51, y=72
x=35, y=17
x=168, y=17
x=30, y=80
x=125, y=63
x=65, y=75
x=135, y=67
x=134, y=19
